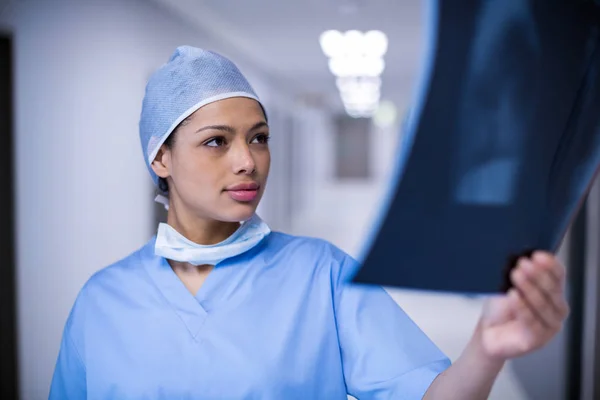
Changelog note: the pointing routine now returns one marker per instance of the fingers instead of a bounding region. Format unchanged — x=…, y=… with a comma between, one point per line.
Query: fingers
x=549, y=262
x=535, y=331
x=544, y=278
x=535, y=302
x=549, y=267
x=521, y=308
x=540, y=284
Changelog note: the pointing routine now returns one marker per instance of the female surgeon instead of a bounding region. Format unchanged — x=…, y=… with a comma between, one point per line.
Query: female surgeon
x=216, y=306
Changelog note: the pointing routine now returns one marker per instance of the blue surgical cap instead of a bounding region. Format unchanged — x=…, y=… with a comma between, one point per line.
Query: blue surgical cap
x=192, y=78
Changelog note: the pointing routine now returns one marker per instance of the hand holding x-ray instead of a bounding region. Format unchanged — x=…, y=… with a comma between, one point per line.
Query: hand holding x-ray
x=532, y=312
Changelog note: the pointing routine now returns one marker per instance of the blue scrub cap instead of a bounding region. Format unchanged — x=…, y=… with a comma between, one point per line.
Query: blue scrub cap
x=192, y=78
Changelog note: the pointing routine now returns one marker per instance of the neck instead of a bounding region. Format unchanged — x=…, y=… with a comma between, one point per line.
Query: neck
x=203, y=231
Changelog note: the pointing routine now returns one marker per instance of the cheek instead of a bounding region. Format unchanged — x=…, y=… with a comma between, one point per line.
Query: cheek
x=182, y=164
x=263, y=159
x=192, y=169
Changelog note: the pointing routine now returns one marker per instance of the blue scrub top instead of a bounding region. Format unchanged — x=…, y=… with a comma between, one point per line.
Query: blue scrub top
x=277, y=322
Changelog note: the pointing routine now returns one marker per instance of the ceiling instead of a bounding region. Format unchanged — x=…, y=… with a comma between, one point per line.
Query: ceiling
x=282, y=36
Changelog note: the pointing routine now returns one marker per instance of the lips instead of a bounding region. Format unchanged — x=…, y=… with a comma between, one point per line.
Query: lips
x=243, y=192
x=243, y=186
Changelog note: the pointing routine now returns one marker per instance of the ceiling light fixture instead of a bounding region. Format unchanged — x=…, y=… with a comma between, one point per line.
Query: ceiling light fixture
x=356, y=59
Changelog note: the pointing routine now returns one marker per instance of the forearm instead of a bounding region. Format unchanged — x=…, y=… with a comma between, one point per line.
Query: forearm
x=471, y=377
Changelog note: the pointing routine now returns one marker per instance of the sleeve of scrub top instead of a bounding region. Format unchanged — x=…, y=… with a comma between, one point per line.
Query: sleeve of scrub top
x=385, y=354
x=68, y=382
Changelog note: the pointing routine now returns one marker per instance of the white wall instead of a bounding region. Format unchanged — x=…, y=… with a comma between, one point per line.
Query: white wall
x=6, y=8
x=341, y=211
x=84, y=197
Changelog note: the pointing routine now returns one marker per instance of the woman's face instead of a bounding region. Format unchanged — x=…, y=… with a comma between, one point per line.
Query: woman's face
x=218, y=165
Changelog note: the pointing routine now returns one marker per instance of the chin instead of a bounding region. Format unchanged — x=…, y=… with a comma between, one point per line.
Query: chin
x=241, y=212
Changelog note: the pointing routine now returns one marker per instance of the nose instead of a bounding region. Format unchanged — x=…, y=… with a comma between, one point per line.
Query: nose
x=242, y=159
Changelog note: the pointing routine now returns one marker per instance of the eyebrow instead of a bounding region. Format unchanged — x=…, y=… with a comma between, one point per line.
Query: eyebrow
x=229, y=129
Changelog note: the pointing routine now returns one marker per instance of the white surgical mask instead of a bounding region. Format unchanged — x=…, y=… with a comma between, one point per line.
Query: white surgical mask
x=172, y=245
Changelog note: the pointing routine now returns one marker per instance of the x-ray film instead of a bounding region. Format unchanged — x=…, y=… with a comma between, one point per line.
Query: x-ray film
x=500, y=147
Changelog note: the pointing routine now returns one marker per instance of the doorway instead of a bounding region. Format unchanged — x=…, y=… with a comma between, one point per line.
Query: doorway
x=8, y=333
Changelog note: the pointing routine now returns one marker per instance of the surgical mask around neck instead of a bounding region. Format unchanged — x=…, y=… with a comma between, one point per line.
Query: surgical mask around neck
x=172, y=245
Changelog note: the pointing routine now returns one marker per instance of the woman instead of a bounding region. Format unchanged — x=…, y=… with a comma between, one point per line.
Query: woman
x=211, y=309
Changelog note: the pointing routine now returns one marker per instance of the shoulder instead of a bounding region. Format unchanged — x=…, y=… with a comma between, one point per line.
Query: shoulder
x=120, y=271
x=114, y=278
x=305, y=246
x=311, y=253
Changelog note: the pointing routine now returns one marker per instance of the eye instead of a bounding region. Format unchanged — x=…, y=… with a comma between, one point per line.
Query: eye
x=216, y=142
x=261, y=138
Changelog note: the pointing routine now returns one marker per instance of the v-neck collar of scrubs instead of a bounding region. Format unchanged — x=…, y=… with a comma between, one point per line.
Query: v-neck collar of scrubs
x=192, y=310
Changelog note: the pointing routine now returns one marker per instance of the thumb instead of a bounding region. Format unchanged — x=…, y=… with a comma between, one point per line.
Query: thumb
x=497, y=310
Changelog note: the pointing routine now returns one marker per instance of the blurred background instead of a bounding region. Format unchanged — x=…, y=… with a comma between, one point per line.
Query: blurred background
x=77, y=196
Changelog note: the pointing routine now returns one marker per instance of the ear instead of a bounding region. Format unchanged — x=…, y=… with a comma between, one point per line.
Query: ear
x=162, y=162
